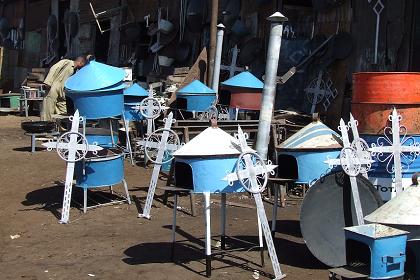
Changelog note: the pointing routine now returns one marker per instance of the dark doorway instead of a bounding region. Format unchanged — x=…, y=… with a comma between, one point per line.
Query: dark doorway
x=102, y=42
x=62, y=7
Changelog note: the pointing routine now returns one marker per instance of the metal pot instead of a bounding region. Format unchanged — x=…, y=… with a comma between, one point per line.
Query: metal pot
x=38, y=126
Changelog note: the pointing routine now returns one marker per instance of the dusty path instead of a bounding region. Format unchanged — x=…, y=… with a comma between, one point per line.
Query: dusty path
x=111, y=242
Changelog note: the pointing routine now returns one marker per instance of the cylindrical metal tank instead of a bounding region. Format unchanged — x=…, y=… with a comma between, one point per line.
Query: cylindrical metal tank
x=375, y=94
x=94, y=171
x=198, y=97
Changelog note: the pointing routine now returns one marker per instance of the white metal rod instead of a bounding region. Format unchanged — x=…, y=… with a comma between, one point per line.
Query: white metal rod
x=218, y=57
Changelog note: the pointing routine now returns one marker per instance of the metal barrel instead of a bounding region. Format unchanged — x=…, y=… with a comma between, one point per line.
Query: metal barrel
x=375, y=94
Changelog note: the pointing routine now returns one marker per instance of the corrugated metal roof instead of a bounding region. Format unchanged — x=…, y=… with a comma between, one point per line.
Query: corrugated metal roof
x=135, y=90
x=245, y=80
x=210, y=142
x=401, y=210
x=315, y=135
x=196, y=87
x=94, y=76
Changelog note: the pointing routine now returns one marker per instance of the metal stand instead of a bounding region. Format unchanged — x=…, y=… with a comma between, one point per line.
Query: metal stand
x=223, y=221
x=174, y=226
x=208, y=232
x=35, y=136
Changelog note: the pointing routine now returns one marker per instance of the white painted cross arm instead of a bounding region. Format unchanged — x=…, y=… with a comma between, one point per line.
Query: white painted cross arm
x=332, y=162
x=156, y=145
x=259, y=170
x=65, y=146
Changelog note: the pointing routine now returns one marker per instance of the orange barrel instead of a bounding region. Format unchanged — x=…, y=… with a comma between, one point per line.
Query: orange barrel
x=375, y=94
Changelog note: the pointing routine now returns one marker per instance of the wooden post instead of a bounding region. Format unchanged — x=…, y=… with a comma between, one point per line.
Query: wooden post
x=213, y=32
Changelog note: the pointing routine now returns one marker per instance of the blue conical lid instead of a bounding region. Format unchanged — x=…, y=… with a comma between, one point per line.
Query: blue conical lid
x=94, y=76
x=119, y=86
x=196, y=87
x=245, y=80
x=135, y=90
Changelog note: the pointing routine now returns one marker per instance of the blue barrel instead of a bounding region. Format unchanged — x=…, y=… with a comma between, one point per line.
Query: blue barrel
x=383, y=180
x=101, y=137
x=94, y=171
x=133, y=96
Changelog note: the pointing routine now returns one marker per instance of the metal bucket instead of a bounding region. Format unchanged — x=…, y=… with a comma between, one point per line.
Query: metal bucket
x=101, y=137
x=376, y=94
x=99, y=104
x=102, y=170
x=381, y=179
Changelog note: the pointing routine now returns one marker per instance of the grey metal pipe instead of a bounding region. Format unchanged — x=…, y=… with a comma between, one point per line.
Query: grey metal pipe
x=218, y=57
x=269, y=91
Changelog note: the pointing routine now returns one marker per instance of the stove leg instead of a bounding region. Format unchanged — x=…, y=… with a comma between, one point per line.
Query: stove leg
x=127, y=195
x=223, y=221
x=84, y=200
x=208, y=232
x=33, y=143
x=275, y=205
x=261, y=242
x=174, y=227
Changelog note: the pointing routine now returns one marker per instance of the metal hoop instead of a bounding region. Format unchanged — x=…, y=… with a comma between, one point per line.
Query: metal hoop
x=158, y=134
x=63, y=153
x=351, y=166
x=257, y=160
x=144, y=108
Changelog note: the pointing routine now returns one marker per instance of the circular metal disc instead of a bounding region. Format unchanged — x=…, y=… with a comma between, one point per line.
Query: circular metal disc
x=327, y=209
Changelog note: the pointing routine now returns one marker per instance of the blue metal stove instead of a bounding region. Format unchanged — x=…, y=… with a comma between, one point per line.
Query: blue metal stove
x=201, y=164
x=195, y=97
x=374, y=251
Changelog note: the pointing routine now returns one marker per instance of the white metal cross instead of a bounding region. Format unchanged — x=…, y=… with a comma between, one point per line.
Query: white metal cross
x=71, y=146
x=232, y=68
x=377, y=9
x=398, y=149
x=252, y=173
x=158, y=147
x=352, y=165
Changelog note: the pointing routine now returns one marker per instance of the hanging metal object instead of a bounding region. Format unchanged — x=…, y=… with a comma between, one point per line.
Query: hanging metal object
x=377, y=9
x=252, y=172
x=71, y=147
x=232, y=68
x=396, y=148
x=106, y=15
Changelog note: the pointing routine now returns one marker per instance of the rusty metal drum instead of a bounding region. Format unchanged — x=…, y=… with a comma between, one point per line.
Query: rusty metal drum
x=375, y=94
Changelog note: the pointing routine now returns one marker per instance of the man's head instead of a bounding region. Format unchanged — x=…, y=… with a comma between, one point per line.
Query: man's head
x=79, y=62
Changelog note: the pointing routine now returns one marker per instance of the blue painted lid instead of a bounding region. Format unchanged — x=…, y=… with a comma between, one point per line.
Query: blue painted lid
x=196, y=87
x=94, y=76
x=119, y=86
x=315, y=135
x=244, y=80
x=135, y=90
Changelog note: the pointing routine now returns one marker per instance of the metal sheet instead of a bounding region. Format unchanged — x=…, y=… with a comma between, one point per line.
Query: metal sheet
x=135, y=90
x=196, y=87
x=327, y=209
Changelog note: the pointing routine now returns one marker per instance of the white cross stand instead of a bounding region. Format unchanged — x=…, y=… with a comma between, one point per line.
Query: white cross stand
x=159, y=147
x=377, y=9
x=252, y=173
x=232, y=68
x=353, y=163
x=396, y=150
x=151, y=109
x=72, y=146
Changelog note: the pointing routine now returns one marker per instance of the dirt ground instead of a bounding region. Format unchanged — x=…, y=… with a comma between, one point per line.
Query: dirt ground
x=111, y=242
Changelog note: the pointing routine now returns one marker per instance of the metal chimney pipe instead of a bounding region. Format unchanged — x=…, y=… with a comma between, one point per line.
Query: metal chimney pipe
x=269, y=91
x=218, y=57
